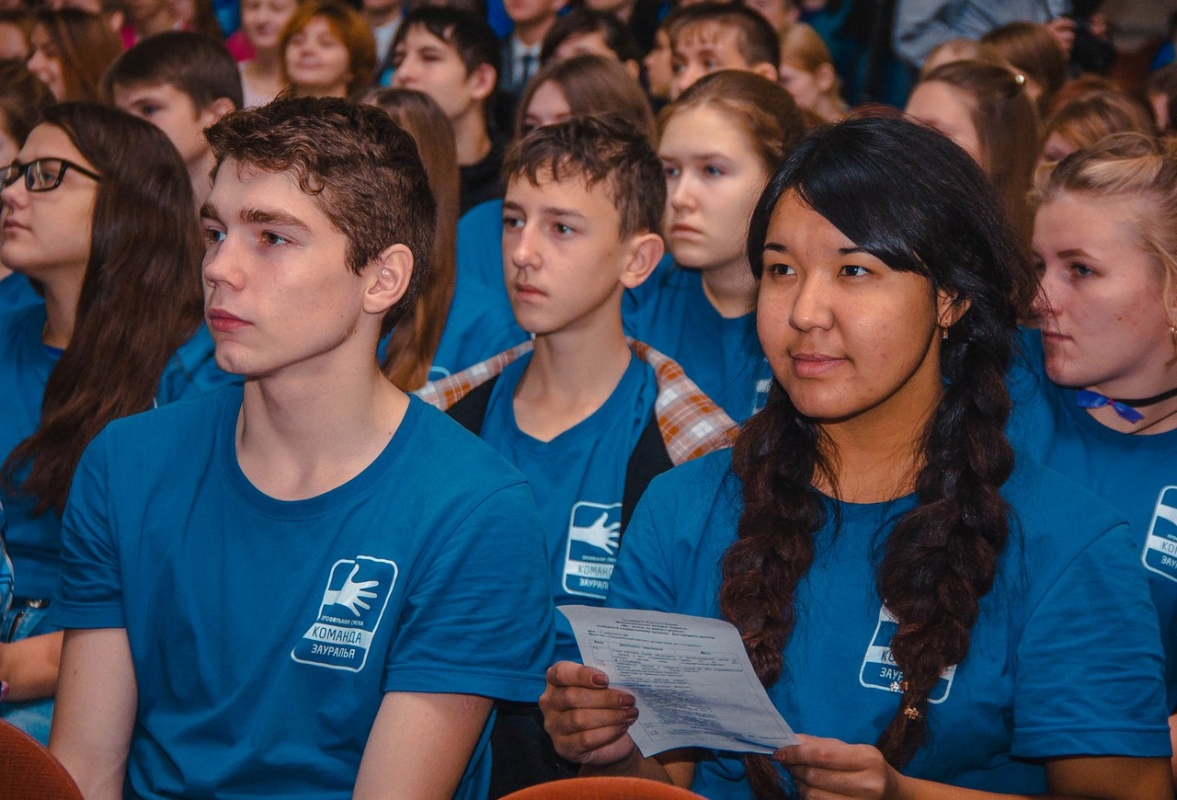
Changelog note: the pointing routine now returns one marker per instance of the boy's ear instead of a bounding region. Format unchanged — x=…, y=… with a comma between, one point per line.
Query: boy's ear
x=647, y=251
x=217, y=109
x=482, y=80
x=390, y=273
x=766, y=70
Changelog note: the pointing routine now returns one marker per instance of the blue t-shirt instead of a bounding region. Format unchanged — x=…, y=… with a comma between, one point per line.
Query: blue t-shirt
x=25, y=364
x=722, y=355
x=480, y=258
x=1136, y=475
x=1063, y=659
x=16, y=292
x=578, y=479
x=279, y=625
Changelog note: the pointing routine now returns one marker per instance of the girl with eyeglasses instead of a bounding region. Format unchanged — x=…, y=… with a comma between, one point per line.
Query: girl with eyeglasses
x=97, y=213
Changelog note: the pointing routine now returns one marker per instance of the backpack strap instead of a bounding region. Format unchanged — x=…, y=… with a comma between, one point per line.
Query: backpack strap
x=648, y=460
x=470, y=411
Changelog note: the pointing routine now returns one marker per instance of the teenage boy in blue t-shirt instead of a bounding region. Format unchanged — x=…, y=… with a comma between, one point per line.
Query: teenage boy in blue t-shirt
x=296, y=588
x=585, y=415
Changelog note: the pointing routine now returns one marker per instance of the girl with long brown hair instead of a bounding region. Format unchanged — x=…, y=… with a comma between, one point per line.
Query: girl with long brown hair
x=951, y=623
x=455, y=323
x=97, y=211
x=984, y=108
x=69, y=51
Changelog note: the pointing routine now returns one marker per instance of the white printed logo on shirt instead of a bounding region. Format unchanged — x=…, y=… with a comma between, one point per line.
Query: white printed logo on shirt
x=1160, y=548
x=879, y=670
x=353, y=604
x=594, y=536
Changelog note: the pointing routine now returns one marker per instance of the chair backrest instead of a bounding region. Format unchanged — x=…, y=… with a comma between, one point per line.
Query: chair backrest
x=29, y=771
x=603, y=789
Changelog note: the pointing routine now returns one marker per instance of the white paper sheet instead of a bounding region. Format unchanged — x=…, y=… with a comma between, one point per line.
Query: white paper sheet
x=691, y=678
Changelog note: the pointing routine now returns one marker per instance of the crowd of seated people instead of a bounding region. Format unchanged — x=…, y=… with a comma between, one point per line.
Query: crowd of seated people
x=341, y=345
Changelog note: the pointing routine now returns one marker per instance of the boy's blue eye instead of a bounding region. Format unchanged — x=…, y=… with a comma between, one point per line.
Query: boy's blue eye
x=561, y=229
x=1080, y=270
x=511, y=223
x=712, y=170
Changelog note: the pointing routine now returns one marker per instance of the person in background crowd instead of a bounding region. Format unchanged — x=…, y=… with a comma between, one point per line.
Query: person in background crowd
x=709, y=37
x=718, y=145
x=453, y=56
x=23, y=101
x=327, y=50
x=1087, y=119
x=384, y=18
x=1032, y=51
x=807, y=71
x=921, y=25
x=985, y=109
x=15, y=27
x=581, y=85
x=520, y=50
x=262, y=23
x=70, y=50
x=583, y=32
x=455, y=323
x=181, y=82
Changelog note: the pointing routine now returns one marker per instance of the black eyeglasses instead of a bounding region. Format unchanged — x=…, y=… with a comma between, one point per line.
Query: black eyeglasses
x=43, y=174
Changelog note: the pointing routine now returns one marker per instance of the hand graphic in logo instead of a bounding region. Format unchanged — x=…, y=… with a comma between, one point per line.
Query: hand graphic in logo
x=599, y=535
x=352, y=594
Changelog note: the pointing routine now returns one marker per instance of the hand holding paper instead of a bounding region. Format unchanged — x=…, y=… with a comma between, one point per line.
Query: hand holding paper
x=690, y=676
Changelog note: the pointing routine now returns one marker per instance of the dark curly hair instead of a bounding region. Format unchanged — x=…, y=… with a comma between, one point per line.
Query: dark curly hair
x=911, y=198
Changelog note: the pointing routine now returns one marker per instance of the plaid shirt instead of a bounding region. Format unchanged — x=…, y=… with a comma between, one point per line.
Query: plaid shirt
x=690, y=422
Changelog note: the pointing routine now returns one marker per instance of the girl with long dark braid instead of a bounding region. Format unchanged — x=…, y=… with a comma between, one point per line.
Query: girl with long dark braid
x=951, y=620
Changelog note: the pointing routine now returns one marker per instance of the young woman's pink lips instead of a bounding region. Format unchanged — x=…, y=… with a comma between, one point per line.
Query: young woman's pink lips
x=527, y=290
x=808, y=365
x=223, y=321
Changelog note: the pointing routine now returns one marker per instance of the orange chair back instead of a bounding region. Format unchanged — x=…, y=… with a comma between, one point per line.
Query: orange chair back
x=28, y=771
x=603, y=789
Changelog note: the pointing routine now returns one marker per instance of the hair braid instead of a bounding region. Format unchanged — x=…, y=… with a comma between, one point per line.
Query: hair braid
x=941, y=557
x=776, y=456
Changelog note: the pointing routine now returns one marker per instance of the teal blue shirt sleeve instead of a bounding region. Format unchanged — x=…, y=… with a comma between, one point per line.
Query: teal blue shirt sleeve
x=192, y=370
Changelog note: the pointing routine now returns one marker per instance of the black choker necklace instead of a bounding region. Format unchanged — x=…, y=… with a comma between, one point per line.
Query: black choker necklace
x=1149, y=401
x=1086, y=398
